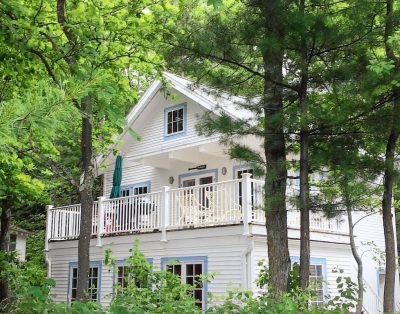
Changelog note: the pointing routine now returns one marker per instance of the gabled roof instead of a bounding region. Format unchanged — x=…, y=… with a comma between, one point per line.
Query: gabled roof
x=16, y=229
x=209, y=98
x=205, y=96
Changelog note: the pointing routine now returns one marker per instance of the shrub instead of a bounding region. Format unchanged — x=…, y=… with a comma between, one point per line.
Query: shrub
x=150, y=291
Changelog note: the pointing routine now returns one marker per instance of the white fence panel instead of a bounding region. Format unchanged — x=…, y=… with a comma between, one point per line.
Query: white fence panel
x=132, y=213
x=208, y=204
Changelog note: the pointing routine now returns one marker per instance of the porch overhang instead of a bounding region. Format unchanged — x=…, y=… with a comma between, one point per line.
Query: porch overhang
x=190, y=156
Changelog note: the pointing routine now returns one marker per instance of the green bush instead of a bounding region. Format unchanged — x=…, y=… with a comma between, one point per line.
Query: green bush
x=150, y=291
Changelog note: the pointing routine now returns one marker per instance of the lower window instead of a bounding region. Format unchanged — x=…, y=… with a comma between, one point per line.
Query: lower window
x=12, y=246
x=124, y=275
x=94, y=286
x=190, y=274
x=317, y=282
x=316, y=279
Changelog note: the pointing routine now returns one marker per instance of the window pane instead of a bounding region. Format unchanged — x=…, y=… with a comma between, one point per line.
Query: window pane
x=199, y=269
x=198, y=294
x=189, y=281
x=178, y=270
x=12, y=246
x=125, y=192
x=94, y=272
x=180, y=125
x=189, y=270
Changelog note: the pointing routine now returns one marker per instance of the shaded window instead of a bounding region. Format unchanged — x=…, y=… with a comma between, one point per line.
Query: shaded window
x=317, y=283
x=125, y=277
x=136, y=189
x=12, y=246
x=175, y=121
x=98, y=186
x=93, y=283
x=190, y=274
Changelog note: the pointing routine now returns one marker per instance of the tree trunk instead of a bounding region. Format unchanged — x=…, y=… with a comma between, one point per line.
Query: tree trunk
x=86, y=200
x=390, y=248
x=87, y=169
x=390, y=172
x=275, y=152
x=305, y=253
x=4, y=245
x=357, y=258
x=304, y=208
x=396, y=197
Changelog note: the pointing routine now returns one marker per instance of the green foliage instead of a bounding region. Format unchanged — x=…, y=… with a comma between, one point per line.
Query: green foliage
x=347, y=292
x=27, y=282
x=147, y=291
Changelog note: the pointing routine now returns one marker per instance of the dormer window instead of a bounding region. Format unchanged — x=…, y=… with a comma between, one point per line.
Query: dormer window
x=175, y=121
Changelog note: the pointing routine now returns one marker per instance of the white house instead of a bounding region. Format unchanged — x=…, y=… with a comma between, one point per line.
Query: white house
x=186, y=200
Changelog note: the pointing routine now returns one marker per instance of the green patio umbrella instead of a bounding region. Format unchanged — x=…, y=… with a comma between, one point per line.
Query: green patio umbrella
x=117, y=177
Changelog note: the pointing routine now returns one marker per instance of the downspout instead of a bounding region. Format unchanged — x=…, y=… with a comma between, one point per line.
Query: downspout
x=48, y=263
x=246, y=262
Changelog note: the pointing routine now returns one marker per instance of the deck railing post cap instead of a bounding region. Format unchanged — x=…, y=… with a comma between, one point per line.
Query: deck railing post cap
x=246, y=175
x=101, y=198
x=49, y=207
x=165, y=188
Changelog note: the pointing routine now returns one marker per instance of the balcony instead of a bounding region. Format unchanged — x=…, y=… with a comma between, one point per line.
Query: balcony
x=217, y=204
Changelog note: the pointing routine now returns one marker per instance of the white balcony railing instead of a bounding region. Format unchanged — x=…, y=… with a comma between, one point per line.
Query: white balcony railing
x=222, y=203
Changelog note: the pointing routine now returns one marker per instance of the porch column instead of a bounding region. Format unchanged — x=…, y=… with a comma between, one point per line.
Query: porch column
x=247, y=206
x=165, y=210
x=49, y=219
x=100, y=220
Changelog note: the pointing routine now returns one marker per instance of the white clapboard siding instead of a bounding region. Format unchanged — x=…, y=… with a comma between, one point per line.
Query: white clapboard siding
x=132, y=174
x=224, y=255
x=150, y=126
x=338, y=256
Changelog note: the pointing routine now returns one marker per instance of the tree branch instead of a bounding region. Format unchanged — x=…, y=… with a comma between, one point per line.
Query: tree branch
x=46, y=64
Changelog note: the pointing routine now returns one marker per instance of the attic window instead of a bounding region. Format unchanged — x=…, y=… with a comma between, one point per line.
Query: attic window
x=175, y=120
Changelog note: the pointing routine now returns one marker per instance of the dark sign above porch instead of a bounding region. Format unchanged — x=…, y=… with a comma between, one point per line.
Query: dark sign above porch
x=201, y=167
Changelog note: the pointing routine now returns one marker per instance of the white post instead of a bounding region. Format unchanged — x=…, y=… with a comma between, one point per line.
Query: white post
x=164, y=213
x=48, y=226
x=100, y=220
x=246, y=202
